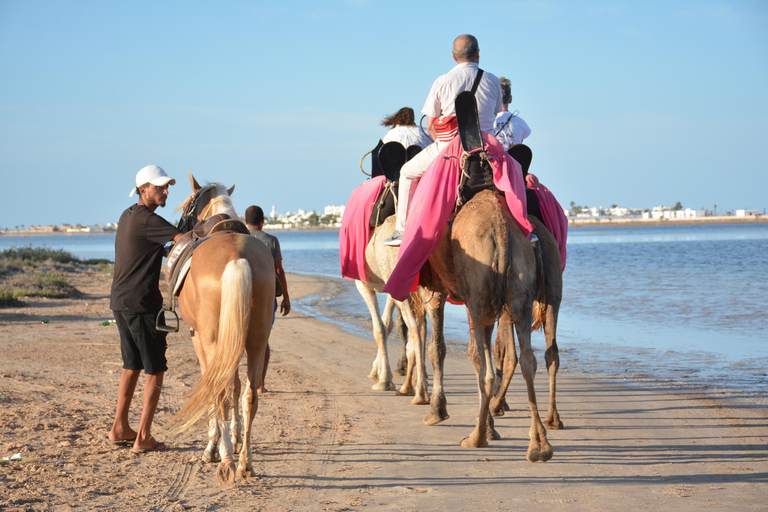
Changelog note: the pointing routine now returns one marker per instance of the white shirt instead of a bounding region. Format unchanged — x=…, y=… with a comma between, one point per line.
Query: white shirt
x=407, y=136
x=513, y=133
x=442, y=96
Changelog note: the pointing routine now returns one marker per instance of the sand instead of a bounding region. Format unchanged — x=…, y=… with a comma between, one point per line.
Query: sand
x=325, y=441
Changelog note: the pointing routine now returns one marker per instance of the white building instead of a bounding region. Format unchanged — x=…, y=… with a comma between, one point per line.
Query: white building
x=747, y=213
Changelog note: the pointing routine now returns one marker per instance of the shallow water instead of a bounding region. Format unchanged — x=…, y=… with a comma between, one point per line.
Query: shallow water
x=673, y=303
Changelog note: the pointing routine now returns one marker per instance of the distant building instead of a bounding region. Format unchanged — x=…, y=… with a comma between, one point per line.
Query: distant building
x=747, y=213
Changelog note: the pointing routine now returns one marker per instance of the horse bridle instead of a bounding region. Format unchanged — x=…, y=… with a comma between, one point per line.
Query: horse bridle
x=188, y=219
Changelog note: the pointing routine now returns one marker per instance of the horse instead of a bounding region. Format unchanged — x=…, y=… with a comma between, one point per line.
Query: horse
x=486, y=261
x=504, y=348
x=227, y=299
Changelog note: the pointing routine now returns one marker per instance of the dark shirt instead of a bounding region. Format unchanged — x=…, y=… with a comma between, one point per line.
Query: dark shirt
x=272, y=242
x=141, y=236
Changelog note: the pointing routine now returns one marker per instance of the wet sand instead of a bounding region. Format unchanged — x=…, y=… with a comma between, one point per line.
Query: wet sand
x=325, y=441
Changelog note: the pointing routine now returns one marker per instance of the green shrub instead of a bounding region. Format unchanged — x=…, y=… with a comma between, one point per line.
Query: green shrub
x=39, y=284
x=32, y=255
x=7, y=300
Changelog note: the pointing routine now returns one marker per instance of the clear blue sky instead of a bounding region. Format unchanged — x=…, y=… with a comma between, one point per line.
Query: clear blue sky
x=638, y=103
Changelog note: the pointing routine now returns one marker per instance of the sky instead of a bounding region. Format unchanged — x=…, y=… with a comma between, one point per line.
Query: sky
x=635, y=103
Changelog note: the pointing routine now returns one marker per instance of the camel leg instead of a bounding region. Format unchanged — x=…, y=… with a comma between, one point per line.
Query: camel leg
x=438, y=405
x=402, y=332
x=539, y=448
x=506, y=362
x=482, y=361
x=552, y=358
x=421, y=394
x=380, y=370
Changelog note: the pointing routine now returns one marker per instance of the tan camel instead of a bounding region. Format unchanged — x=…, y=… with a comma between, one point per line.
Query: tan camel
x=227, y=300
x=504, y=348
x=486, y=261
x=380, y=260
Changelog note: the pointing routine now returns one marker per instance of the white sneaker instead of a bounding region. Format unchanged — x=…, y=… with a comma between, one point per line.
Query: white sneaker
x=394, y=240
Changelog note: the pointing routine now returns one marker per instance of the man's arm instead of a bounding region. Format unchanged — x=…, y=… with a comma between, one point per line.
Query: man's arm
x=431, y=127
x=285, y=304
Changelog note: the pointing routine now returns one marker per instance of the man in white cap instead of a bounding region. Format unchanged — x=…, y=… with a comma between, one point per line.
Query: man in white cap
x=135, y=301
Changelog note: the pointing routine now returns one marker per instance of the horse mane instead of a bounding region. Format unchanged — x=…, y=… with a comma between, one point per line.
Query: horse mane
x=185, y=204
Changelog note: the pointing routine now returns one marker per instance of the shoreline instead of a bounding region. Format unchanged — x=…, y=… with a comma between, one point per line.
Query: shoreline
x=603, y=222
x=323, y=439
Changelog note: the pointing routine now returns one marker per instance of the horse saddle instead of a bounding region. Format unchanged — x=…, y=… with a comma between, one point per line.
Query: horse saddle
x=391, y=158
x=180, y=257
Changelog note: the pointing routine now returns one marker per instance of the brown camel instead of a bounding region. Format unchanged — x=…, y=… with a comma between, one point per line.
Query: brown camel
x=504, y=348
x=487, y=262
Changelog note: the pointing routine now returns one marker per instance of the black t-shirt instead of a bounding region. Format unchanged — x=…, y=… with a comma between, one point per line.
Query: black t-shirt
x=141, y=236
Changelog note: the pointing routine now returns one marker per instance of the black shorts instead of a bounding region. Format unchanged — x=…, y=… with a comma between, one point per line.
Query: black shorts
x=143, y=347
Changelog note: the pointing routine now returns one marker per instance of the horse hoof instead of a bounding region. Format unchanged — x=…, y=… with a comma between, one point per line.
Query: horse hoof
x=383, y=386
x=433, y=418
x=493, y=435
x=406, y=392
x=496, y=412
x=420, y=400
x=226, y=473
x=211, y=457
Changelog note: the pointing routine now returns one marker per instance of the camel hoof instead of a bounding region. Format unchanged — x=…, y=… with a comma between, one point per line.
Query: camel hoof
x=473, y=442
x=404, y=391
x=492, y=434
x=383, y=386
x=541, y=452
x=433, y=418
x=226, y=473
x=497, y=411
x=551, y=424
x=210, y=457
x=244, y=472
x=420, y=400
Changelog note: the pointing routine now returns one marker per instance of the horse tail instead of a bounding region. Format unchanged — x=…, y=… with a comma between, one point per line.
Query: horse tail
x=540, y=301
x=215, y=387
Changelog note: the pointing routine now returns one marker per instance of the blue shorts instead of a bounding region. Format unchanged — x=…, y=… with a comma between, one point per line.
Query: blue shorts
x=142, y=346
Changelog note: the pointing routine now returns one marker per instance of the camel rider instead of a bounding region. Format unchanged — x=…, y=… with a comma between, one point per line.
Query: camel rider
x=404, y=130
x=509, y=128
x=441, y=122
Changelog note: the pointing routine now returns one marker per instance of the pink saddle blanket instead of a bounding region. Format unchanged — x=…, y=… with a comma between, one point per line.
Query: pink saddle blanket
x=554, y=217
x=355, y=227
x=433, y=203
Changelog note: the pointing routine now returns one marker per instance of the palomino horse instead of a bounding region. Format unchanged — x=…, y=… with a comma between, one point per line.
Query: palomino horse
x=486, y=261
x=227, y=300
x=380, y=260
x=504, y=348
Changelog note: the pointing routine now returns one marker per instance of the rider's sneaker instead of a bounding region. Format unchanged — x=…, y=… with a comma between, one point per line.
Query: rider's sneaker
x=394, y=240
x=534, y=239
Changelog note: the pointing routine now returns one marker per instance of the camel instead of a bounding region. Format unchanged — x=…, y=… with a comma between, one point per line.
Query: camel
x=227, y=300
x=486, y=261
x=380, y=260
x=504, y=348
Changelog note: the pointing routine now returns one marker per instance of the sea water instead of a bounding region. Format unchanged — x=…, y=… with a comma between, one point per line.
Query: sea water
x=681, y=303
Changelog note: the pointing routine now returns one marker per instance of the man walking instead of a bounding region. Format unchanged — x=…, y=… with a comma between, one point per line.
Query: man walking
x=441, y=117
x=135, y=301
x=254, y=218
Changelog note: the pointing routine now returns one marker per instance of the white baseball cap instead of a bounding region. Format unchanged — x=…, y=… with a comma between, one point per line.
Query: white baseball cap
x=154, y=175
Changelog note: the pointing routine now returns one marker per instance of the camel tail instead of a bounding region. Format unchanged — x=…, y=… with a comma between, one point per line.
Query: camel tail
x=215, y=387
x=540, y=302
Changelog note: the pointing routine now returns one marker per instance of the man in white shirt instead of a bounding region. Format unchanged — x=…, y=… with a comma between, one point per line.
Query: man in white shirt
x=440, y=108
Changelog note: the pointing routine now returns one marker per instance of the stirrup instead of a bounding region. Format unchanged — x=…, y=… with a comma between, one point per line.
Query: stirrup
x=165, y=327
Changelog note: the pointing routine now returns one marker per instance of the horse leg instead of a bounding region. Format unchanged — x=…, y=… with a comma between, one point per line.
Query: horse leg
x=250, y=404
x=226, y=470
x=539, y=448
x=236, y=425
x=421, y=394
x=438, y=405
x=506, y=362
x=482, y=361
x=380, y=370
x=211, y=453
x=552, y=358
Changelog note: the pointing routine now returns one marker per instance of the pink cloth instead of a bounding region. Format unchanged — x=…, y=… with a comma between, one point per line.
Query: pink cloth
x=356, y=228
x=554, y=217
x=433, y=203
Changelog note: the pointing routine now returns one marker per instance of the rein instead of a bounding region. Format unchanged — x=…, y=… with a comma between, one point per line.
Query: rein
x=188, y=219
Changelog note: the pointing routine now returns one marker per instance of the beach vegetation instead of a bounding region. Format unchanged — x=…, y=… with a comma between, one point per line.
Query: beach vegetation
x=41, y=272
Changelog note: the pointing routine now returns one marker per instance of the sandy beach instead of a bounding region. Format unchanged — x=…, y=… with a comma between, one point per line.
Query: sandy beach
x=324, y=441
